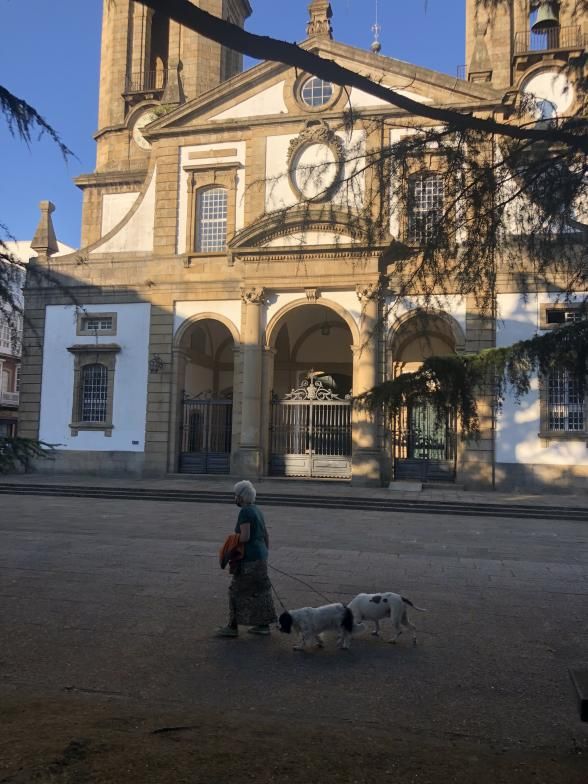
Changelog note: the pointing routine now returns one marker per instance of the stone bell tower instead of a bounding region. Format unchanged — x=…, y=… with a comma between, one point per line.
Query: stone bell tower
x=505, y=40
x=147, y=61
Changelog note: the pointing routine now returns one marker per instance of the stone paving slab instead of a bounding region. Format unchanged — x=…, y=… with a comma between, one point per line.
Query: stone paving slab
x=118, y=598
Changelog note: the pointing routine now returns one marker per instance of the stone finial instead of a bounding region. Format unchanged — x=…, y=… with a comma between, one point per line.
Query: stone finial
x=44, y=241
x=319, y=25
x=173, y=93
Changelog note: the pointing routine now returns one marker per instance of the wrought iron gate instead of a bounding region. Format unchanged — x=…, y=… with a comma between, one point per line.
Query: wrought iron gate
x=424, y=448
x=310, y=433
x=206, y=435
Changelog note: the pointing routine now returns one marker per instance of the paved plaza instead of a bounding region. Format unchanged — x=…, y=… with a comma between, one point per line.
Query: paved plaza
x=117, y=599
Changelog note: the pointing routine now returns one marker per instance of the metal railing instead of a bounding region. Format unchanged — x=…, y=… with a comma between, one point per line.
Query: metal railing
x=146, y=81
x=553, y=38
x=9, y=398
x=462, y=72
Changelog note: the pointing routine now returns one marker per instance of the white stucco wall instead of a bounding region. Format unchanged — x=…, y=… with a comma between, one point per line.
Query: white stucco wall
x=361, y=100
x=267, y=102
x=229, y=308
x=280, y=195
x=189, y=156
x=137, y=233
x=114, y=208
x=518, y=426
x=130, y=378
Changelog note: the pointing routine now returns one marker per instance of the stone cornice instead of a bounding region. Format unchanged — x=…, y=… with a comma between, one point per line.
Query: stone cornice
x=206, y=127
x=317, y=253
x=205, y=166
x=102, y=179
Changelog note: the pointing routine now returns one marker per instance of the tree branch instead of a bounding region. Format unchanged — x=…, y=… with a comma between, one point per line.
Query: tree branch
x=266, y=48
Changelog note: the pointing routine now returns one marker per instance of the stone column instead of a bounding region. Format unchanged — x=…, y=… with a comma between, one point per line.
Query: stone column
x=250, y=463
x=269, y=357
x=366, y=452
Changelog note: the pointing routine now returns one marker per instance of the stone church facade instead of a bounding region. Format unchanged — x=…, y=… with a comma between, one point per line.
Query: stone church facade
x=223, y=311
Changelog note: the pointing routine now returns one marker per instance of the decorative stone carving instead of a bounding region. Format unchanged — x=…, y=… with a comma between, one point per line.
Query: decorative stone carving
x=312, y=295
x=315, y=162
x=368, y=291
x=253, y=295
x=316, y=132
x=319, y=25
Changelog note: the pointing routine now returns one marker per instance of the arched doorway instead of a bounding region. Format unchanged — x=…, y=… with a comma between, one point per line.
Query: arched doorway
x=310, y=417
x=424, y=445
x=206, y=383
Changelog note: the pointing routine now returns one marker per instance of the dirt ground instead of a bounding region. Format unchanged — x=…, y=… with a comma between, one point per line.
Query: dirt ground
x=80, y=740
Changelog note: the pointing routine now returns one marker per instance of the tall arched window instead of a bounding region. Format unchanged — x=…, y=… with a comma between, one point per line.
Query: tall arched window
x=211, y=220
x=426, y=194
x=93, y=393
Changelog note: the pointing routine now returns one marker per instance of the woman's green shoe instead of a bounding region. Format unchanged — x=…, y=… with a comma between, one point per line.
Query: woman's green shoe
x=226, y=631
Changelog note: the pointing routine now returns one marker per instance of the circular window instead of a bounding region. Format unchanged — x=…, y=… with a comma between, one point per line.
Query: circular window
x=316, y=92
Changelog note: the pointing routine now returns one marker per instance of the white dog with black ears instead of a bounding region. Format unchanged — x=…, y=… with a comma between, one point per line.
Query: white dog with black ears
x=377, y=606
x=310, y=622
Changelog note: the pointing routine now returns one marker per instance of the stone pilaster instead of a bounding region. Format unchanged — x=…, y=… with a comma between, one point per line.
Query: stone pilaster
x=476, y=457
x=366, y=452
x=269, y=357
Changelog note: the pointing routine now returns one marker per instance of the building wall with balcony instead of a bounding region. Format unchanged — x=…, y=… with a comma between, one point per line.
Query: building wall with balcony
x=11, y=340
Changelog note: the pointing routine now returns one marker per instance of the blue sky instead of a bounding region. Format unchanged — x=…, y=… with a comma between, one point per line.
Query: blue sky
x=50, y=57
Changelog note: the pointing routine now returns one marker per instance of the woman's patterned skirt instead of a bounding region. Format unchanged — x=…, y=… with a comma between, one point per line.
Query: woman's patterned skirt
x=250, y=595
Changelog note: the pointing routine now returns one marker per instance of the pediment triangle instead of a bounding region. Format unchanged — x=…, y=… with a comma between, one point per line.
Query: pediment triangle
x=258, y=92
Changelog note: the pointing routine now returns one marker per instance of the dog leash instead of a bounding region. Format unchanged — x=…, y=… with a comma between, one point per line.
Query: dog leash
x=291, y=576
x=283, y=606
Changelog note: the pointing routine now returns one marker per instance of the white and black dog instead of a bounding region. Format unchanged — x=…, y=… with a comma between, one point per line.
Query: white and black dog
x=309, y=622
x=376, y=606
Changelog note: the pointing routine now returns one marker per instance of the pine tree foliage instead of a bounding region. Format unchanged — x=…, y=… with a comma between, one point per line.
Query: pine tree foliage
x=18, y=453
x=23, y=122
x=455, y=381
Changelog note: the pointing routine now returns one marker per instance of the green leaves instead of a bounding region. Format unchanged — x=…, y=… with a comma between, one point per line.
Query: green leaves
x=20, y=452
x=456, y=381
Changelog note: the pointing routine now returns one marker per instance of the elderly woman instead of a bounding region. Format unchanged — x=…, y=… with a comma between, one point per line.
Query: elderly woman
x=250, y=598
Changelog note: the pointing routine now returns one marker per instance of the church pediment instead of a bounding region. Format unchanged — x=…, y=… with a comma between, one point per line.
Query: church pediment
x=271, y=90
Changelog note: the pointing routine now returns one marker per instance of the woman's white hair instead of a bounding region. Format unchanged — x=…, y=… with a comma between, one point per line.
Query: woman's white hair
x=245, y=491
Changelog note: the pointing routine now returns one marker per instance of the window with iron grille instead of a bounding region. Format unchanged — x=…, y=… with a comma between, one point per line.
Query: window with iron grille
x=211, y=233
x=425, y=206
x=565, y=404
x=93, y=393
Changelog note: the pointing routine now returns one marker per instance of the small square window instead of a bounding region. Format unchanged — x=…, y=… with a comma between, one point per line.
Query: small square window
x=96, y=324
x=553, y=316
